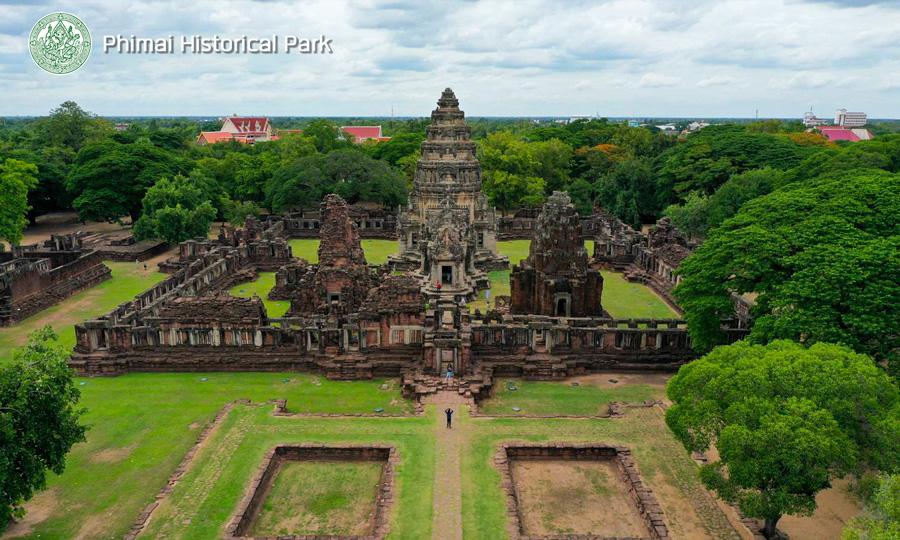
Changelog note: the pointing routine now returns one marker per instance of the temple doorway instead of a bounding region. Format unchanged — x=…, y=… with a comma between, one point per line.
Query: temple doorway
x=446, y=275
x=562, y=307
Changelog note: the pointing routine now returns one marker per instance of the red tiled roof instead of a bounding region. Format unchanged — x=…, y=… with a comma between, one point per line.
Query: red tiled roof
x=835, y=133
x=250, y=124
x=214, y=136
x=361, y=133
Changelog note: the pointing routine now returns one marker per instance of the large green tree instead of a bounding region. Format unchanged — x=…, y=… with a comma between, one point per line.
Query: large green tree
x=109, y=179
x=822, y=258
x=16, y=179
x=39, y=420
x=350, y=173
x=175, y=210
x=785, y=420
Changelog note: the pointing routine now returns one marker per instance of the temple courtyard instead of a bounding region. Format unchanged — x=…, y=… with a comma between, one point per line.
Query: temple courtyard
x=172, y=454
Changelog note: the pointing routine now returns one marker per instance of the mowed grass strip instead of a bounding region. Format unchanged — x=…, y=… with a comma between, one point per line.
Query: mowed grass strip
x=142, y=424
x=548, y=398
x=626, y=300
x=203, y=502
x=127, y=281
x=336, y=498
x=376, y=250
x=261, y=287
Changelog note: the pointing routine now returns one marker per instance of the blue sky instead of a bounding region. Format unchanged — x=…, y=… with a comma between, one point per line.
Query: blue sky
x=503, y=58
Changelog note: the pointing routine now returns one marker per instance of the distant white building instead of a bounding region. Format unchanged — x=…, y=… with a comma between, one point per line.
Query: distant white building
x=668, y=129
x=697, y=125
x=811, y=120
x=849, y=119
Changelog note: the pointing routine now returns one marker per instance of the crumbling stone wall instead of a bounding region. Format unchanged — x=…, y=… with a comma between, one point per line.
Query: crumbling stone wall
x=37, y=276
x=555, y=279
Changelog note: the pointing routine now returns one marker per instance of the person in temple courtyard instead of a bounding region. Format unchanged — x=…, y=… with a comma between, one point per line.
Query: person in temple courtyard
x=449, y=413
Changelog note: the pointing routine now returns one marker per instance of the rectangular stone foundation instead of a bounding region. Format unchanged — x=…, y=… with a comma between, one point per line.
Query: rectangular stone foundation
x=639, y=495
x=241, y=523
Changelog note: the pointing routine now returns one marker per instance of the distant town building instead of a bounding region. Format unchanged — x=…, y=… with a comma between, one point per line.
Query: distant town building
x=633, y=123
x=121, y=126
x=811, y=120
x=697, y=126
x=849, y=119
x=243, y=129
x=839, y=133
x=362, y=134
x=668, y=129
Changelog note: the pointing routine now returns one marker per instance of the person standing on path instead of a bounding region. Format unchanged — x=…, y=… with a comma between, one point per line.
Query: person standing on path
x=449, y=413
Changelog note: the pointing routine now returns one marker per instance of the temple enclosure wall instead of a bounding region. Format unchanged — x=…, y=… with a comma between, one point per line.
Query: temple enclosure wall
x=37, y=276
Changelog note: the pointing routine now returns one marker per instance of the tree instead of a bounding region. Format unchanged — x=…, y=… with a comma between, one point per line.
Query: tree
x=16, y=179
x=397, y=148
x=882, y=518
x=738, y=190
x=110, y=179
x=175, y=210
x=39, y=421
x=582, y=194
x=551, y=160
x=508, y=191
x=350, y=173
x=690, y=217
x=72, y=127
x=823, y=258
x=785, y=420
x=326, y=135
x=628, y=191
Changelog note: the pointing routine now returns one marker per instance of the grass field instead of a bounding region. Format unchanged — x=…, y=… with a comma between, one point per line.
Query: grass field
x=589, y=398
x=377, y=251
x=261, y=288
x=320, y=497
x=141, y=425
x=203, y=501
x=128, y=280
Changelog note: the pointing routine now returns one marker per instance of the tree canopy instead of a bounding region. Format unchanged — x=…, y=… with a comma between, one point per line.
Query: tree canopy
x=785, y=419
x=350, y=173
x=175, y=210
x=110, y=179
x=822, y=258
x=39, y=421
x=16, y=179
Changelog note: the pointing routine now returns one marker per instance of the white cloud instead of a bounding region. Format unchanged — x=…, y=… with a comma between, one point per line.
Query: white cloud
x=503, y=57
x=716, y=80
x=657, y=80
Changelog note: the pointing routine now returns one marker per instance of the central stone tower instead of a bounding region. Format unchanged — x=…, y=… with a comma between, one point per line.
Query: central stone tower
x=447, y=231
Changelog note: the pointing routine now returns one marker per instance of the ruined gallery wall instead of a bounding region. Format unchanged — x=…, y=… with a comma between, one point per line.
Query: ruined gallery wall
x=42, y=279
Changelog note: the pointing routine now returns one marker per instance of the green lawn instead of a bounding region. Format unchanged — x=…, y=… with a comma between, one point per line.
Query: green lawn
x=142, y=424
x=128, y=280
x=551, y=398
x=261, y=288
x=626, y=300
x=377, y=251
x=320, y=497
x=203, y=501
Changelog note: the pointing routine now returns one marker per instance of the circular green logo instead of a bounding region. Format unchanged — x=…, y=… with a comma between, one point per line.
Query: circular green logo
x=60, y=43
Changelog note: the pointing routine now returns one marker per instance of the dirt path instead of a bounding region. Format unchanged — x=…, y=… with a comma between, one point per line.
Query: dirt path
x=447, y=518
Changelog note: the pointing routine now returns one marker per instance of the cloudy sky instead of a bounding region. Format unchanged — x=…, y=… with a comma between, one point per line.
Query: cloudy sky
x=503, y=58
